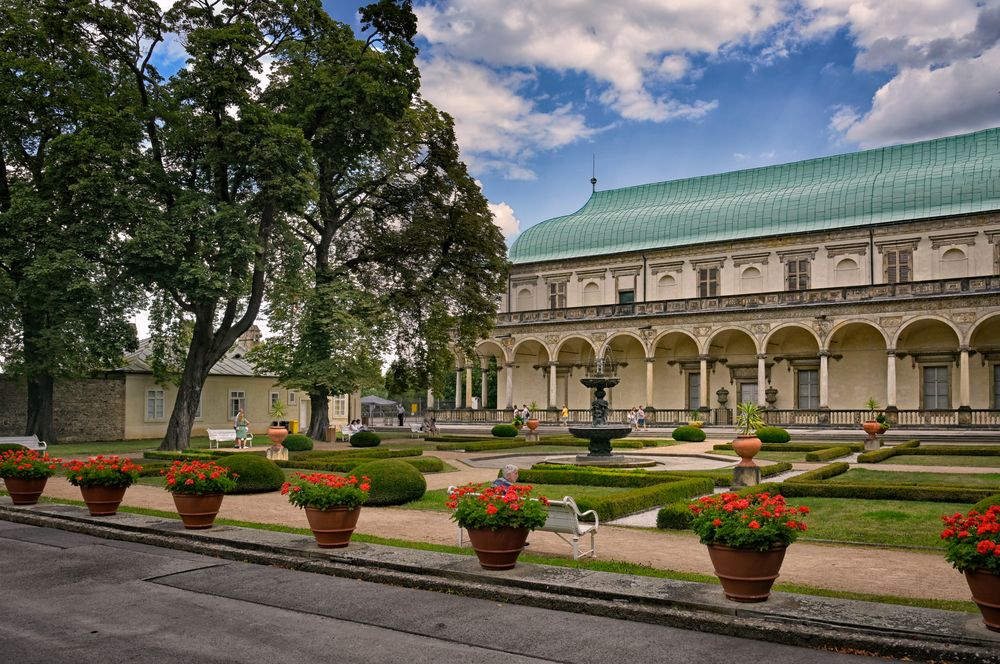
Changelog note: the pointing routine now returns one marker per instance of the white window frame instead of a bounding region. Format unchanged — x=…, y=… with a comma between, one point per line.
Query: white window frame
x=923, y=387
x=340, y=405
x=708, y=281
x=693, y=392
x=273, y=398
x=159, y=397
x=812, y=399
x=557, y=295
x=292, y=397
x=237, y=402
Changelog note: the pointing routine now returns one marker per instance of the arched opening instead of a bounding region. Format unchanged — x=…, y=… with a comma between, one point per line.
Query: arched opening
x=732, y=366
x=591, y=294
x=525, y=299
x=631, y=358
x=751, y=280
x=794, y=376
x=954, y=264
x=490, y=364
x=574, y=356
x=666, y=288
x=675, y=362
x=927, y=366
x=530, y=374
x=847, y=272
x=857, y=366
x=984, y=365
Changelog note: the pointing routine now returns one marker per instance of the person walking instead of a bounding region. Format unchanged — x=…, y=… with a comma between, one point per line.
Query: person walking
x=400, y=411
x=640, y=418
x=564, y=415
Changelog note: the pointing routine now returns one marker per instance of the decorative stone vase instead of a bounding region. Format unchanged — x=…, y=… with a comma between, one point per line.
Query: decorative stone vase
x=25, y=492
x=747, y=447
x=103, y=500
x=498, y=549
x=985, y=587
x=277, y=434
x=697, y=424
x=872, y=428
x=198, y=511
x=333, y=527
x=532, y=423
x=746, y=575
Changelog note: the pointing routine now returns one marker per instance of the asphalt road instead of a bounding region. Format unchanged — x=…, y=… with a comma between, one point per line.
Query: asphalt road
x=70, y=598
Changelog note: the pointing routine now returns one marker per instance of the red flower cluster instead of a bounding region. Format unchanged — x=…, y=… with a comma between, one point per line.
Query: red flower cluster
x=110, y=471
x=479, y=506
x=756, y=521
x=324, y=491
x=199, y=477
x=973, y=540
x=27, y=464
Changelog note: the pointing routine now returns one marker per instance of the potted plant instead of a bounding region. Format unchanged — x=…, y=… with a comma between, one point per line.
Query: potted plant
x=532, y=421
x=198, y=488
x=973, y=548
x=498, y=519
x=695, y=419
x=102, y=481
x=25, y=473
x=877, y=423
x=517, y=422
x=332, y=504
x=746, y=538
x=276, y=432
x=748, y=420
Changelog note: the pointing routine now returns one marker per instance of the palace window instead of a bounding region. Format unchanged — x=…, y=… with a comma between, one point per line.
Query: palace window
x=340, y=406
x=275, y=398
x=936, y=388
x=557, y=295
x=237, y=402
x=708, y=282
x=797, y=274
x=694, y=390
x=154, y=405
x=897, y=265
x=626, y=296
x=292, y=397
x=808, y=388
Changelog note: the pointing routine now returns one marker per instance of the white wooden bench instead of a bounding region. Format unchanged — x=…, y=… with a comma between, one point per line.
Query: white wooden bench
x=416, y=430
x=31, y=442
x=216, y=436
x=345, y=434
x=563, y=520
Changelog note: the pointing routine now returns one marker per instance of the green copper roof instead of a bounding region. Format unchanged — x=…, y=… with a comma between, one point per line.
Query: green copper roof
x=945, y=176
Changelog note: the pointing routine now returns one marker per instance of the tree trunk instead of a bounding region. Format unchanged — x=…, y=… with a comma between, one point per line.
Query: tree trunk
x=319, y=418
x=178, y=436
x=40, y=422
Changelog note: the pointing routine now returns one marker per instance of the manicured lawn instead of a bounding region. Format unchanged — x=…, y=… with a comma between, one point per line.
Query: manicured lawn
x=791, y=457
x=865, y=476
x=888, y=522
x=116, y=446
x=945, y=460
x=435, y=499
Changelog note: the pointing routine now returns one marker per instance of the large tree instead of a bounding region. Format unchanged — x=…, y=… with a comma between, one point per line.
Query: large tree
x=396, y=216
x=225, y=171
x=70, y=166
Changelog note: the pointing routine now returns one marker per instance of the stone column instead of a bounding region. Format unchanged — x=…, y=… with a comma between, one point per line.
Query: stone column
x=703, y=382
x=964, y=383
x=468, y=386
x=484, y=387
x=890, y=379
x=458, y=387
x=824, y=379
x=552, y=384
x=762, y=380
x=430, y=398
x=649, y=381
x=509, y=370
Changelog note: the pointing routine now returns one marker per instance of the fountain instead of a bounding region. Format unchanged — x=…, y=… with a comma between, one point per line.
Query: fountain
x=600, y=433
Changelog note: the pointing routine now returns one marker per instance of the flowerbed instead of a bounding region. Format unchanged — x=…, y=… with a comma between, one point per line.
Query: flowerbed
x=973, y=540
x=484, y=506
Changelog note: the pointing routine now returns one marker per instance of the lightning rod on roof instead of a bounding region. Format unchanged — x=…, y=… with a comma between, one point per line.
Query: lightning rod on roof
x=593, y=175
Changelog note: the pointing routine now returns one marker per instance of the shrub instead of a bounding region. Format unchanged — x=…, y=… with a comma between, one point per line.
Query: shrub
x=875, y=456
x=504, y=431
x=359, y=453
x=254, y=474
x=773, y=435
x=688, y=434
x=297, y=442
x=485, y=445
x=11, y=446
x=934, y=494
x=176, y=456
x=827, y=454
x=822, y=473
x=365, y=439
x=630, y=502
x=675, y=516
x=393, y=482
x=427, y=464
x=987, y=503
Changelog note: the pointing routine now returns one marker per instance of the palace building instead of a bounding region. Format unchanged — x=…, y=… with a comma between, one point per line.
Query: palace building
x=805, y=287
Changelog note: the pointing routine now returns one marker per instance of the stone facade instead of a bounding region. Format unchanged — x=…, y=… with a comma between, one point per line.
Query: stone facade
x=83, y=409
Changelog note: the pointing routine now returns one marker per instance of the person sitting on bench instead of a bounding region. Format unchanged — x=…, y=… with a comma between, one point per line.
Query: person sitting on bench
x=508, y=476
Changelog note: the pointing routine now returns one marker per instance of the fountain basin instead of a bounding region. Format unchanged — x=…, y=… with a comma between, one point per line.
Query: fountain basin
x=604, y=461
x=600, y=436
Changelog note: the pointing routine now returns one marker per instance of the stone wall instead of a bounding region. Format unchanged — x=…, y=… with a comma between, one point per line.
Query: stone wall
x=84, y=410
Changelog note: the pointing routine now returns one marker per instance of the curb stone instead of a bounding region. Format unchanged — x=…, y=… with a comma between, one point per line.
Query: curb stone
x=801, y=620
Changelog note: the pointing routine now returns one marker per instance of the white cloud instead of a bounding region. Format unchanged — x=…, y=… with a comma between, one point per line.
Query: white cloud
x=503, y=216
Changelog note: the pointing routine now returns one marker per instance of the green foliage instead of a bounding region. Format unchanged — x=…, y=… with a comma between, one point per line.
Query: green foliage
x=822, y=473
x=936, y=494
x=748, y=418
x=365, y=439
x=484, y=506
x=773, y=435
x=871, y=404
x=875, y=456
x=485, y=445
x=11, y=446
x=571, y=475
x=675, y=516
x=203, y=455
x=423, y=464
x=254, y=474
x=796, y=447
x=27, y=464
x=504, y=431
x=828, y=453
x=297, y=442
x=393, y=482
x=323, y=492
x=986, y=503
x=688, y=434
x=638, y=500
x=277, y=410
x=948, y=450
x=359, y=453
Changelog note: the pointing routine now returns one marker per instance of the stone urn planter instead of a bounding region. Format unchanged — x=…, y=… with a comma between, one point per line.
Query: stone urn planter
x=103, y=500
x=985, y=587
x=25, y=491
x=500, y=548
x=277, y=434
x=746, y=575
x=198, y=511
x=333, y=526
x=747, y=448
x=532, y=423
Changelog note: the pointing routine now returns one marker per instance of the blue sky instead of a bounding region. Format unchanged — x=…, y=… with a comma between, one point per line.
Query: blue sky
x=665, y=89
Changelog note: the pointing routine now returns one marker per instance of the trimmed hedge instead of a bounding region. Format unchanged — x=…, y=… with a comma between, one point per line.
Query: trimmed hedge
x=937, y=494
x=676, y=516
x=592, y=478
x=630, y=502
x=365, y=439
x=827, y=454
x=393, y=482
x=255, y=474
x=178, y=456
x=724, y=476
x=297, y=442
x=772, y=435
x=822, y=473
x=957, y=450
x=987, y=503
x=688, y=434
x=875, y=456
x=484, y=445
x=153, y=469
x=11, y=446
x=359, y=453
x=423, y=464
x=796, y=447
x=504, y=431
x=453, y=438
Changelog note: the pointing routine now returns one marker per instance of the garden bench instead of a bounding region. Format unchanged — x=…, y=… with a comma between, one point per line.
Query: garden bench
x=564, y=519
x=416, y=430
x=31, y=442
x=345, y=434
x=216, y=436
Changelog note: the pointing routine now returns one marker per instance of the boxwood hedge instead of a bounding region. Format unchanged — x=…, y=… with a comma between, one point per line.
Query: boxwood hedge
x=822, y=473
x=827, y=454
x=504, y=431
x=688, y=434
x=772, y=435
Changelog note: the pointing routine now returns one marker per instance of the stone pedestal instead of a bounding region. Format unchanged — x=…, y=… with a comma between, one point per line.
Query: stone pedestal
x=746, y=476
x=872, y=444
x=531, y=436
x=277, y=453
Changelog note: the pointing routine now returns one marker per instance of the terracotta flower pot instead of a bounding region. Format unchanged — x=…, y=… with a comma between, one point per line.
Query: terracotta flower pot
x=498, y=549
x=198, y=511
x=747, y=447
x=872, y=428
x=103, y=500
x=333, y=527
x=746, y=575
x=25, y=492
x=532, y=423
x=985, y=587
x=277, y=434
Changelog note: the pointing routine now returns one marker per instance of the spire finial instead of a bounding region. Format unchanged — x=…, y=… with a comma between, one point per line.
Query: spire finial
x=593, y=175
